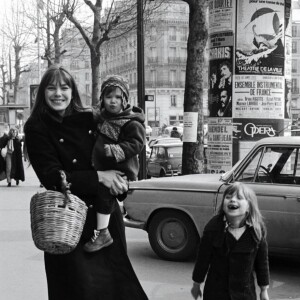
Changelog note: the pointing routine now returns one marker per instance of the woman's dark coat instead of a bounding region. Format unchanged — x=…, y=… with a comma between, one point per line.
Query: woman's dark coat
x=230, y=273
x=17, y=168
x=54, y=144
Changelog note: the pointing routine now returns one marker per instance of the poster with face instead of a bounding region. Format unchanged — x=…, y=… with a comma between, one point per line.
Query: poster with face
x=260, y=37
x=220, y=74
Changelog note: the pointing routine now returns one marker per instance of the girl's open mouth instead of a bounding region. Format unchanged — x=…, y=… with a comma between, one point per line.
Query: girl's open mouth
x=233, y=206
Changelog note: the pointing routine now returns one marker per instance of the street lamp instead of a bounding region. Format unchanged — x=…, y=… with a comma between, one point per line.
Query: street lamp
x=141, y=77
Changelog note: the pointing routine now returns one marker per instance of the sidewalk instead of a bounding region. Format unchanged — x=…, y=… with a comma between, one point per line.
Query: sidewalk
x=22, y=273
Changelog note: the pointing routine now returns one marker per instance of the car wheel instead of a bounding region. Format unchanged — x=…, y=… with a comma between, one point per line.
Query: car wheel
x=172, y=235
x=162, y=173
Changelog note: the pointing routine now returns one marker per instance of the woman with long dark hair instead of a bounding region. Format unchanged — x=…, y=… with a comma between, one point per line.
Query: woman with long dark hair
x=59, y=135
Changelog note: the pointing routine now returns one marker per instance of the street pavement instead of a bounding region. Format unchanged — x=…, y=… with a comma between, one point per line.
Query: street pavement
x=22, y=275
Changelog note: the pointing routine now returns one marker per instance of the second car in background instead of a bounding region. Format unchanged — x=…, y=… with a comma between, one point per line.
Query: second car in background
x=164, y=160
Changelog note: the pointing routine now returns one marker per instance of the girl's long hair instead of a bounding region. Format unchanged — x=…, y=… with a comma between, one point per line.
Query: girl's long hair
x=254, y=216
x=54, y=74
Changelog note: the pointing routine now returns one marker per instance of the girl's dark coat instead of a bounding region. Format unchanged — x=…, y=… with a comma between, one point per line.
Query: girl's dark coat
x=17, y=168
x=54, y=144
x=230, y=273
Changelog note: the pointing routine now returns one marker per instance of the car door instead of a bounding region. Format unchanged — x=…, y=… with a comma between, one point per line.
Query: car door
x=273, y=172
x=151, y=162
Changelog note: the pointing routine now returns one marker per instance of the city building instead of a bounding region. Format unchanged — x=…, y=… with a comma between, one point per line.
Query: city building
x=165, y=42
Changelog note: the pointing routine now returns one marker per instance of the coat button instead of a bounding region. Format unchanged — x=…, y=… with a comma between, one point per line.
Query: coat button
x=61, y=140
x=74, y=161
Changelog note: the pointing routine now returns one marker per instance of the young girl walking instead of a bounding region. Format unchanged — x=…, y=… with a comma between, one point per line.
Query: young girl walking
x=232, y=247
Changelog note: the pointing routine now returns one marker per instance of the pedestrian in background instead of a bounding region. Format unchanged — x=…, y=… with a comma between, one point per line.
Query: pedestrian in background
x=232, y=247
x=13, y=158
x=59, y=135
x=174, y=133
x=121, y=137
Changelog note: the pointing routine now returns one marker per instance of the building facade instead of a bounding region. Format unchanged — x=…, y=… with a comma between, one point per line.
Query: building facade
x=165, y=51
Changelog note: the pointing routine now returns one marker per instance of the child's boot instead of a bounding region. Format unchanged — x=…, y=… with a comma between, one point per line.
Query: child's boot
x=99, y=240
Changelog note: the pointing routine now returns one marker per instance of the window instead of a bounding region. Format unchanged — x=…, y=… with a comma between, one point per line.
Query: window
x=184, y=34
x=87, y=76
x=294, y=47
x=183, y=52
x=174, y=152
x=161, y=153
x=87, y=88
x=172, y=52
x=295, y=85
x=172, y=33
x=86, y=64
x=182, y=76
x=173, y=101
x=153, y=52
x=294, y=30
x=153, y=76
x=172, y=120
x=2, y=117
x=273, y=165
x=172, y=76
x=152, y=33
x=294, y=66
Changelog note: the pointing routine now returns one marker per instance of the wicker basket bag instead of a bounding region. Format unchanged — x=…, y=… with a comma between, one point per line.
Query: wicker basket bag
x=57, y=219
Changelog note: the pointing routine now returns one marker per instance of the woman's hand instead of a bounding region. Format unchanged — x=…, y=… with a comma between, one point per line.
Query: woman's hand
x=196, y=290
x=114, y=180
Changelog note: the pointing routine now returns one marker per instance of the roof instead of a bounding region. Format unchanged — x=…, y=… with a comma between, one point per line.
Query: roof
x=280, y=140
x=169, y=145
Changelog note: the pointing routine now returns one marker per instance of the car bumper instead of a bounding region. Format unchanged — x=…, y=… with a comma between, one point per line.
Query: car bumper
x=133, y=224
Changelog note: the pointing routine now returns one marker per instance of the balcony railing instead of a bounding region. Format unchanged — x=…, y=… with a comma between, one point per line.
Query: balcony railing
x=159, y=84
x=165, y=83
x=152, y=60
x=177, y=60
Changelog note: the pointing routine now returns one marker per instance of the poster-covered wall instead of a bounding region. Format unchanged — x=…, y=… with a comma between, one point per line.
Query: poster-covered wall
x=249, y=75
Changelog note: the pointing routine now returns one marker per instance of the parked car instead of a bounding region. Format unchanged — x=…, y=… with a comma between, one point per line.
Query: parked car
x=175, y=210
x=164, y=140
x=164, y=160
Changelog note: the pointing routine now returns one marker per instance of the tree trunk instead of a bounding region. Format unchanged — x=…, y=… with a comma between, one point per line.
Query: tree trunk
x=95, y=65
x=17, y=49
x=57, y=51
x=192, y=157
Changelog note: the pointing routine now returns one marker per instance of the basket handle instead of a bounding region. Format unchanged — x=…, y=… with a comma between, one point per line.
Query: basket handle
x=65, y=187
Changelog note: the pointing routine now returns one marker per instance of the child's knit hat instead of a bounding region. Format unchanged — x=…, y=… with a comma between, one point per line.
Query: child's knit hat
x=117, y=81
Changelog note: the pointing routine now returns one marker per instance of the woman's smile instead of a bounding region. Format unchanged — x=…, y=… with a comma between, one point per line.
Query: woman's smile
x=58, y=97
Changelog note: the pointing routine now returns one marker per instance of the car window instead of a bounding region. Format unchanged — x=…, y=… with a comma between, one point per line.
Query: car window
x=175, y=152
x=154, y=153
x=161, y=152
x=273, y=165
x=248, y=174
